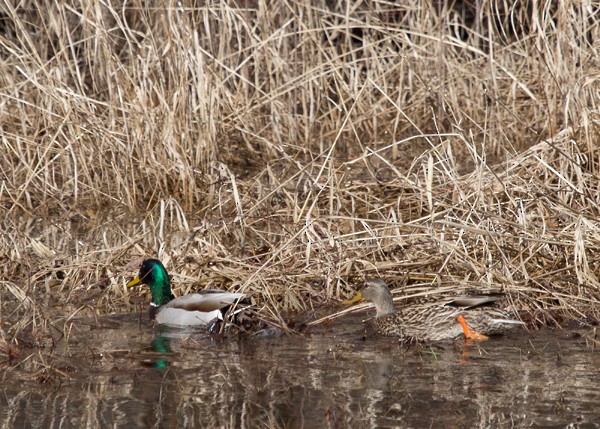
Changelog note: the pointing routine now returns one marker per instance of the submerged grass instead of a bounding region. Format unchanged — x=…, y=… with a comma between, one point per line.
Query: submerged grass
x=290, y=149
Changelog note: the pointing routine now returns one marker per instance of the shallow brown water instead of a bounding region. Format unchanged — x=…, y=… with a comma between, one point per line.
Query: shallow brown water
x=127, y=375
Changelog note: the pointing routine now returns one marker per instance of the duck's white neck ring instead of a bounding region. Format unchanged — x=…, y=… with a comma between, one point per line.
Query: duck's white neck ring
x=153, y=304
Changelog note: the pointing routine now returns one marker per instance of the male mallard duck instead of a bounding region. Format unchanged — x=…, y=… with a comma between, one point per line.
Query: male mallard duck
x=189, y=310
x=435, y=321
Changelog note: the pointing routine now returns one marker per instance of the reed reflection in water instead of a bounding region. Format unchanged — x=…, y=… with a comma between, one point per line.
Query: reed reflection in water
x=332, y=378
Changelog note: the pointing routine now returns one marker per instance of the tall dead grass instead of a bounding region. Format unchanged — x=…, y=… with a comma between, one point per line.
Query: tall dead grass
x=290, y=149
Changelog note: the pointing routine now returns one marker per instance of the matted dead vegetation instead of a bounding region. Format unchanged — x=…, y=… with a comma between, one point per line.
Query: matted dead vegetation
x=290, y=149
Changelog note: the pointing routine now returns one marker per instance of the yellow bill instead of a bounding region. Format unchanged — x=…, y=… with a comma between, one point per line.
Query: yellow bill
x=134, y=282
x=356, y=299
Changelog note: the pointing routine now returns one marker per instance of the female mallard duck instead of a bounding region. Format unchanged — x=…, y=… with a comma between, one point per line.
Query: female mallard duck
x=189, y=310
x=435, y=321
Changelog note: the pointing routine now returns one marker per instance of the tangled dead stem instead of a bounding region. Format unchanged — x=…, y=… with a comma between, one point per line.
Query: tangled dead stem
x=290, y=151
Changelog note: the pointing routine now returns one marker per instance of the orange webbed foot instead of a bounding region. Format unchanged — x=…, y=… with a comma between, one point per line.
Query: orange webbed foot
x=470, y=334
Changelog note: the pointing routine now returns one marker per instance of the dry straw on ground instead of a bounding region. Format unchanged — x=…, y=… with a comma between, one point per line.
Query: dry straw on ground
x=290, y=149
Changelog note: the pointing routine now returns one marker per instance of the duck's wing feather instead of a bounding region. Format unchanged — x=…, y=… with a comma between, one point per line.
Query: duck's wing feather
x=205, y=301
x=472, y=301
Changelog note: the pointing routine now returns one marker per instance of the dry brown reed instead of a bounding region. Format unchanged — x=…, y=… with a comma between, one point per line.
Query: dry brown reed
x=289, y=149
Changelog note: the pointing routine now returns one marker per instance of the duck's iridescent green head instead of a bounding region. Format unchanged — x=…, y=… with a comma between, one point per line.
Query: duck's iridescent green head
x=154, y=274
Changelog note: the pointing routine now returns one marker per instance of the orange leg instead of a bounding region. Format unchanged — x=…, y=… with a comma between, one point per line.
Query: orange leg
x=470, y=333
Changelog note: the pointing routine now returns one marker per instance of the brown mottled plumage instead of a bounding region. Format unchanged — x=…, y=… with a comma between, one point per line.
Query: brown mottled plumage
x=434, y=321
